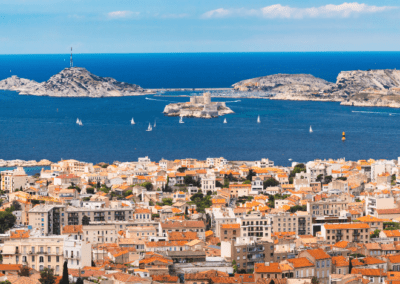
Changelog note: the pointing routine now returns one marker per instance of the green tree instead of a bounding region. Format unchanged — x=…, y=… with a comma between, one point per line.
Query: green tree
x=250, y=176
x=167, y=201
x=64, y=279
x=235, y=268
x=314, y=280
x=270, y=182
x=320, y=178
x=79, y=281
x=375, y=234
x=85, y=220
x=219, y=184
x=148, y=185
x=297, y=169
x=350, y=265
x=7, y=220
x=127, y=193
x=90, y=190
x=182, y=169
x=247, y=182
x=47, y=277
x=24, y=271
x=298, y=208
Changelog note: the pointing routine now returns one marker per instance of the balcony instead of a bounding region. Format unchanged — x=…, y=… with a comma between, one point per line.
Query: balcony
x=356, y=234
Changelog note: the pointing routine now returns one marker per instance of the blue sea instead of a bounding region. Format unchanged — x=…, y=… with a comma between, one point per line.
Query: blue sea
x=44, y=127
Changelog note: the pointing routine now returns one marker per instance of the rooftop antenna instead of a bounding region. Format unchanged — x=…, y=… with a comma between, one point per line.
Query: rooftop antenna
x=71, y=62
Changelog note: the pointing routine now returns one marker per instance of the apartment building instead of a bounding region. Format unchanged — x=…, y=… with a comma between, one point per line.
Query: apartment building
x=72, y=166
x=322, y=262
x=255, y=225
x=36, y=252
x=383, y=201
x=349, y=232
x=247, y=251
x=220, y=217
x=100, y=233
x=299, y=222
x=183, y=226
x=329, y=206
x=48, y=218
x=13, y=179
x=264, y=163
x=117, y=213
x=229, y=232
x=77, y=253
x=208, y=183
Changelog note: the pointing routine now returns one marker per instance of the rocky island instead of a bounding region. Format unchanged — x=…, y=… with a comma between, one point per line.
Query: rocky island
x=355, y=88
x=72, y=82
x=199, y=106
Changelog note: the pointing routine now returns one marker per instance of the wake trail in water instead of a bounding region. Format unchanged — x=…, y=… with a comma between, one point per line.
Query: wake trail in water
x=375, y=112
x=233, y=101
x=156, y=100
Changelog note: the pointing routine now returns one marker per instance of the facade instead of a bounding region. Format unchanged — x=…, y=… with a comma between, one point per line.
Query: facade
x=322, y=262
x=299, y=222
x=14, y=179
x=49, y=219
x=353, y=232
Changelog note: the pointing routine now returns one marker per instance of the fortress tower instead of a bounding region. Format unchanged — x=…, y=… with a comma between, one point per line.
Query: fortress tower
x=207, y=98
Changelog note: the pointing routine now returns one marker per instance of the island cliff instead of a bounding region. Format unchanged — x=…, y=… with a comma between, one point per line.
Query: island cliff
x=356, y=88
x=199, y=106
x=72, y=82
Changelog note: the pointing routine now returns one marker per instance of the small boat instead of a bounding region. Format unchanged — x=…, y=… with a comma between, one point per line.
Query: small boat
x=225, y=121
x=77, y=121
x=181, y=120
x=80, y=123
x=154, y=124
x=149, y=128
x=258, y=119
x=290, y=159
x=311, y=129
x=132, y=121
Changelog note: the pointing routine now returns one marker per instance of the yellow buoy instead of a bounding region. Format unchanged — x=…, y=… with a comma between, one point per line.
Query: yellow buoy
x=343, y=136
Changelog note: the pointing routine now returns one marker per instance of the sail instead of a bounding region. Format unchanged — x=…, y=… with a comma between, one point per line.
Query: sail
x=225, y=120
x=311, y=130
x=132, y=121
x=77, y=121
x=258, y=119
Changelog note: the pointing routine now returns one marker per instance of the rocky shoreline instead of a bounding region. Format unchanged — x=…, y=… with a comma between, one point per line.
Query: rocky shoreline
x=73, y=82
x=371, y=88
x=22, y=163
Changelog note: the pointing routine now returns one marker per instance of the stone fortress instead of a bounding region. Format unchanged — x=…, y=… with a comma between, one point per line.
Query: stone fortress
x=199, y=106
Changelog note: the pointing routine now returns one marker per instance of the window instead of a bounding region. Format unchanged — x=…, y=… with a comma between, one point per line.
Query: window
x=41, y=259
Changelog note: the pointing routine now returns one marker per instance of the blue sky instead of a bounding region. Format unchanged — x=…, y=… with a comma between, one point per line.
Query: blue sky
x=142, y=26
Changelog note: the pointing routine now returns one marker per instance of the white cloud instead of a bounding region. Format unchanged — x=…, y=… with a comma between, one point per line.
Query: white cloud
x=122, y=14
x=286, y=12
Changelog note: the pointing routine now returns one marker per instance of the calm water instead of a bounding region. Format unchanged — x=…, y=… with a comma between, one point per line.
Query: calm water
x=32, y=128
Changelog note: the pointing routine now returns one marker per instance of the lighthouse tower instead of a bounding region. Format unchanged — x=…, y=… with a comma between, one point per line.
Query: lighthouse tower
x=71, y=62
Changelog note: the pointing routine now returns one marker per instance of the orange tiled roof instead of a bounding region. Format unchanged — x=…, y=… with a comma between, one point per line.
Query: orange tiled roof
x=346, y=226
x=230, y=226
x=341, y=244
x=340, y=261
x=72, y=229
x=19, y=234
x=300, y=262
x=318, y=254
x=369, y=272
x=262, y=268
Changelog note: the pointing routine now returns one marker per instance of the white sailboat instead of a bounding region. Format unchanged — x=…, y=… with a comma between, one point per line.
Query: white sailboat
x=80, y=123
x=77, y=121
x=132, y=121
x=225, y=121
x=258, y=119
x=149, y=128
x=181, y=120
x=311, y=129
x=154, y=124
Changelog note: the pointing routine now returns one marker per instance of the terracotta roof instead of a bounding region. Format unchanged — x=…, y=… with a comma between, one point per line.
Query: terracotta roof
x=155, y=258
x=72, y=229
x=262, y=268
x=340, y=261
x=246, y=278
x=205, y=275
x=10, y=267
x=369, y=272
x=346, y=226
x=300, y=262
x=318, y=254
x=186, y=224
x=19, y=234
x=142, y=210
x=370, y=246
x=124, y=277
x=227, y=280
x=392, y=233
x=394, y=258
x=341, y=244
x=182, y=236
x=369, y=260
x=230, y=226
x=165, y=278
x=388, y=211
x=165, y=244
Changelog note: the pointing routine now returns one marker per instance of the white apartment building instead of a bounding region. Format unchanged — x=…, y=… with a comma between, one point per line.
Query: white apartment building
x=208, y=183
x=77, y=253
x=372, y=204
x=264, y=163
x=13, y=179
x=257, y=184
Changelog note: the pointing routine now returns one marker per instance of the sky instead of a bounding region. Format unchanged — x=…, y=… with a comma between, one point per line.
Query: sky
x=173, y=26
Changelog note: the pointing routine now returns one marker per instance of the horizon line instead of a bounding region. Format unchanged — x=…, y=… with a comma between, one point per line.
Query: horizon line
x=205, y=52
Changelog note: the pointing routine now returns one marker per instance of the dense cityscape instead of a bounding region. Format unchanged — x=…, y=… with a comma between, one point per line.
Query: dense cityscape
x=192, y=221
